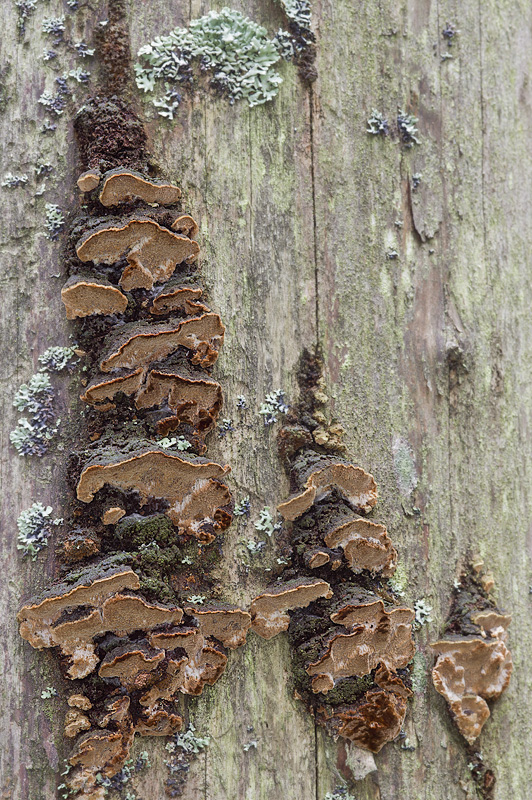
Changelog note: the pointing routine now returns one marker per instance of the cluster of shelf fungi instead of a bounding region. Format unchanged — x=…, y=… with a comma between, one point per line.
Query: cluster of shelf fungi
x=126, y=613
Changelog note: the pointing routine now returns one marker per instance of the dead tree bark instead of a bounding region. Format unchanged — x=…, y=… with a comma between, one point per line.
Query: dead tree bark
x=407, y=266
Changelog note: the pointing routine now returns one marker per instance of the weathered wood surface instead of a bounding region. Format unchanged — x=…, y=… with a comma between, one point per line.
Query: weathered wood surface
x=428, y=356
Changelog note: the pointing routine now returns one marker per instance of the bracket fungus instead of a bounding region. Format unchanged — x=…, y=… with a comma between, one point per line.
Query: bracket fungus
x=72, y=621
x=88, y=180
x=186, y=225
x=366, y=545
x=376, y=636
x=469, y=671
x=198, y=503
x=178, y=298
x=140, y=347
x=122, y=185
x=268, y=610
x=83, y=297
x=321, y=477
x=152, y=252
x=228, y=624
x=374, y=720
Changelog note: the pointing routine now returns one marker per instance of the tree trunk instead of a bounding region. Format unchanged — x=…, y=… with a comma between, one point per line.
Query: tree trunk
x=416, y=290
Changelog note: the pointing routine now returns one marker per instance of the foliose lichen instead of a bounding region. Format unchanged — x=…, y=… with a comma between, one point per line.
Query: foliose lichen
x=274, y=404
x=34, y=527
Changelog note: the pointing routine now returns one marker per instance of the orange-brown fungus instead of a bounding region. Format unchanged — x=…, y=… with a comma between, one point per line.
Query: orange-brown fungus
x=196, y=500
x=376, y=636
x=183, y=299
x=202, y=336
x=468, y=671
x=268, y=610
x=357, y=486
x=366, y=545
x=83, y=297
x=185, y=225
x=152, y=252
x=121, y=186
x=88, y=180
x=228, y=624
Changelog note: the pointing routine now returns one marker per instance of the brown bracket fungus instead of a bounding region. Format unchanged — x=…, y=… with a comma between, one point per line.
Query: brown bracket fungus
x=88, y=180
x=268, y=610
x=322, y=477
x=198, y=503
x=122, y=185
x=135, y=347
x=185, y=225
x=377, y=636
x=229, y=624
x=469, y=671
x=373, y=721
x=178, y=298
x=83, y=297
x=366, y=545
x=152, y=252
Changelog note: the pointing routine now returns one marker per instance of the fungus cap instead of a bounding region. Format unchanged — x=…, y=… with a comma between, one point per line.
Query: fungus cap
x=122, y=185
x=84, y=297
x=152, y=252
x=357, y=486
x=268, y=610
x=366, y=545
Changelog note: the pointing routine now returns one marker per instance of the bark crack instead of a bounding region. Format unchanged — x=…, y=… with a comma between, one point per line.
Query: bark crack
x=314, y=218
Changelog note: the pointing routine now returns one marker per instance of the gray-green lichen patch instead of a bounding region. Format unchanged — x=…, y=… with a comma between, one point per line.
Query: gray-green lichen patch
x=34, y=527
x=238, y=54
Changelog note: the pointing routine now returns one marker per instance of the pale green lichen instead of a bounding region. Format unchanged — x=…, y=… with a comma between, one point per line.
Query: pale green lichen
x=179, y=442
x=54, y=221
x=377, y=124
x=34, y=527
x=49, y=692
x=56, y=359
x=265, y=522
x=408, y=132
x=399, y=581
x=274, y=404
x=11, y=181
x=339, y=794
x=236, y=51
x=422, y=612
x=190, y=742
x=242, y=508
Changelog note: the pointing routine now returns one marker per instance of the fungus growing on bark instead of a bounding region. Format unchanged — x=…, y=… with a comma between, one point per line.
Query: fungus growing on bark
x=468, y=671
x=88, y=180
x=152, y=252
x=79, y=701
x=228, y=624
x=189, y=639
x=37, y=618
x=113, y=514
x=322, y=477
x=366, y=545
x=316, y=558
x=158, y=722
x=116, y=709
x=73, y=620
x=130, y=660
x=203, y=668
x=122, y=185
x=100, y=751
x=268, y=610
x=139, y=347
x=198, y=503
x=178, y=298
x=83, y=297
x=374, y=720
x=101, y=391
x=186, y=225
x=75, y=722
x=376, y=636
x=193, y=401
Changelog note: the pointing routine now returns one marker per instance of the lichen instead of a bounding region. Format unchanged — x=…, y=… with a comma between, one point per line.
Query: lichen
x=11, y=181
x=236, y=52
x=408, y=132
x=274, y=404
x=34, y=528
x=242, y=508
x=56, y=359
x=265, y=522
x=54, y=221
x=377, y=124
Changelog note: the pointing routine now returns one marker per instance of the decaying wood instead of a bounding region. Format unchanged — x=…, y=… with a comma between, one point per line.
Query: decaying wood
x=311, y=230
